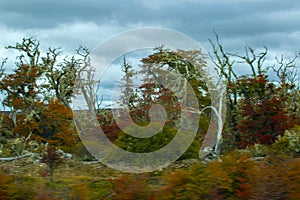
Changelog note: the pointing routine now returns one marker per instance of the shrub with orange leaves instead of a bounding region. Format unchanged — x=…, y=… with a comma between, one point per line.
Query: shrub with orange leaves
x=5, y=185
x=275, y=178
x=130, y=187
x=228, y=179
x=200, y=182
x=55, y=125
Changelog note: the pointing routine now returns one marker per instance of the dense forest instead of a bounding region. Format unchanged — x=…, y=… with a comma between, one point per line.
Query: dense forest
x=42, y=155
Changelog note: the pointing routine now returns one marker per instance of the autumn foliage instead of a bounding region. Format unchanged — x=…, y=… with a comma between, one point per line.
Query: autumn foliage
x=236, y=177
x=55, y=125
x=263, y=112
x=5, y=184
x=261, y=136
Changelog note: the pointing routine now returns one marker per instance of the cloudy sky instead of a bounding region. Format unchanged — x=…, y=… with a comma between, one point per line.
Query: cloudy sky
x=68, y=24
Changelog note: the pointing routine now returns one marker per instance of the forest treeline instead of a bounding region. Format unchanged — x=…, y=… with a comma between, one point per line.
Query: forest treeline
x=262, y=114
x=38, y=92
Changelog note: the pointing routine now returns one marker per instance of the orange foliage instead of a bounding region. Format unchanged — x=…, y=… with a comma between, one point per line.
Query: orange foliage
x=20, y=87
x=55, y=125
x=131, y=187
x=236, y=177
x=275, y=178
x=6, y=185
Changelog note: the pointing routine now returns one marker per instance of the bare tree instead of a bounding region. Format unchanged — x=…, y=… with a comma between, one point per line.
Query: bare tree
x=127, y=84
x=87, y=82
x=254, y=61
x=288, y=79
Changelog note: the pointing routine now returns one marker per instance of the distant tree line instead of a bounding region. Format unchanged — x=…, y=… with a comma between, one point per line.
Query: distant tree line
x=39, y=90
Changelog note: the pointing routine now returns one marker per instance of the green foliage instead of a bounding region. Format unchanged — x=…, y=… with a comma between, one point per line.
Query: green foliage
x=258, y=110
x=143, y=145
x=6, y=126
x=260, y=118
x=237, y=176
x=191, y=64
x=81, y=152
x=24, y=187
x=16, y=187
x=257, y=150
x=100, y=189
x=156, y=142
x=14, y=146
x=160, y=66
x=289, y=143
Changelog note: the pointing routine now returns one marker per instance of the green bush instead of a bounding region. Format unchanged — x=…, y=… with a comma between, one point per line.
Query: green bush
x=257, y=150
x=289, y=143
x=145, y=145
x=156, y=142
x=82, y=153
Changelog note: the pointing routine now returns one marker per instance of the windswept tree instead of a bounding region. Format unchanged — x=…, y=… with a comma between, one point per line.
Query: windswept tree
x=38, y=92
x=191, y=65
x=157, y=72
x=21, y=88
x=60, y=76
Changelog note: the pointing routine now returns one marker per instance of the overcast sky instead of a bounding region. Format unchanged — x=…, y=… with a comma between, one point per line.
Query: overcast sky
x=68, y=24
x=274, y=23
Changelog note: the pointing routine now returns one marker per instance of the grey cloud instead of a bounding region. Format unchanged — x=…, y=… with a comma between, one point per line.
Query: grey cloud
x=34, y=13
x=68, y=24
x=231, y=18
x=44, y=14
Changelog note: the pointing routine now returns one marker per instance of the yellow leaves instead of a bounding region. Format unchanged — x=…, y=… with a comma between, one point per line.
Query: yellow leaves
x=227, y=179
x=5, y=185
x=79, y=191
x=131, y=187
x=293, y=173
x=200, y=182
x=219, y=177
x=177, y=178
